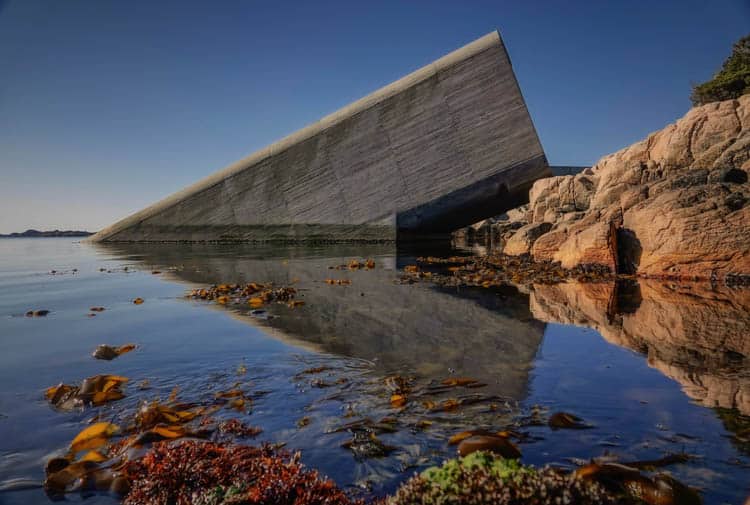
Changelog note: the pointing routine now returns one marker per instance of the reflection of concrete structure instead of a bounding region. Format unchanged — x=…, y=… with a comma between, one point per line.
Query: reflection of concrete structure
x=696, y=334
x=488, y=336
x=441, y=148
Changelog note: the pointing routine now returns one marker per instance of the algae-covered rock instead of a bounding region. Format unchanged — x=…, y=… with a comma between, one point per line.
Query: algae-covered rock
x=483, y=479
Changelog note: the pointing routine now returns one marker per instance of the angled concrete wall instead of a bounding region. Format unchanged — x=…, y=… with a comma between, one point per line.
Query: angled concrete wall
x=438, y=149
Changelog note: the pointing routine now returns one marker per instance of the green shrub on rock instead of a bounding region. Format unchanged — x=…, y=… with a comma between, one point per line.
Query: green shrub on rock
x=732, y=81
x=483, y=479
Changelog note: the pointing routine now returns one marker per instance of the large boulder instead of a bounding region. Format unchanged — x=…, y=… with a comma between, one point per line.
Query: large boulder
x=521, y=241
x=676, y=204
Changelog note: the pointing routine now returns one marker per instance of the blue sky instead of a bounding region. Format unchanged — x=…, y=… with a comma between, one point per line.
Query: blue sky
x=107, y=106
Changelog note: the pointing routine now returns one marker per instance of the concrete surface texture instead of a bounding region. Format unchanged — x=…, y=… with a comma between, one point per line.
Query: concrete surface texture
x=441, y=148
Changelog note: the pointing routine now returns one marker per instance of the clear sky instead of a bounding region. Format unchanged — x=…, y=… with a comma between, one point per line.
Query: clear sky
x=106, y=106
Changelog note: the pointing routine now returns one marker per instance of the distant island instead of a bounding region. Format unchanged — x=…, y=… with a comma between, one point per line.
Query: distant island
x=53, y=233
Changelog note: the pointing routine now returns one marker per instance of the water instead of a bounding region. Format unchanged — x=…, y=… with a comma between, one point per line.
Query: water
x=655, y=368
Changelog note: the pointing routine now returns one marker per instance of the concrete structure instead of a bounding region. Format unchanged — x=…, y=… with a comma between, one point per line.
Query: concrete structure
x=441, y=148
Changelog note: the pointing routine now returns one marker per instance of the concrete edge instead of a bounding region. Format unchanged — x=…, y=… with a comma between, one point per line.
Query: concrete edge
x=490, y=40
x=259, y=233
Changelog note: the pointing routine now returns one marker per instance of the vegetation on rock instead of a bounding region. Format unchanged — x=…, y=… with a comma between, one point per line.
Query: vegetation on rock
x=481, y=479
x=731, y=81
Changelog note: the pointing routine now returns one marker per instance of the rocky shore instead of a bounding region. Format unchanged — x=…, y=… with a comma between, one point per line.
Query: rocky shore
x=674, y=205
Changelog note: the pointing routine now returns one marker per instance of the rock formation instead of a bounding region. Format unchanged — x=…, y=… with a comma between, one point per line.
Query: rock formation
x=494, y=230
x=675, y=204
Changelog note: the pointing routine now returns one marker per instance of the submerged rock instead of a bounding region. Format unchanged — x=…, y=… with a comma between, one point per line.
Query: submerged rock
x=566, y=421
x=108, y=352
x=489, y=443
x=364, y=444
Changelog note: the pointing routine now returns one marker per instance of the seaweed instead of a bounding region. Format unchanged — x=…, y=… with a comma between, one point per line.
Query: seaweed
x=482, y=479
x=208, y=473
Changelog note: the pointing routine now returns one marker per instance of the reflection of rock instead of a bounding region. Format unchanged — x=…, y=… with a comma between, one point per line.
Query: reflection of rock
x=739, y=426
x=695, y=334
x=487, y=335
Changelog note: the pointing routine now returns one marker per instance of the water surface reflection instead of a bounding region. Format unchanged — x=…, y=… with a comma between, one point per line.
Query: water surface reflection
x=696, y=334
x=538, y=349
x=488, y=335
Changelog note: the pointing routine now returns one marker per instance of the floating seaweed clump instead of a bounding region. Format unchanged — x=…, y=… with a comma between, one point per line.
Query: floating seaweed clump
x=108, y=352
x=194, y=472
x=96, y=390
x=254, y=294
x=355, y=264
x=498, y=269
x=482, y=479
x=238, y=428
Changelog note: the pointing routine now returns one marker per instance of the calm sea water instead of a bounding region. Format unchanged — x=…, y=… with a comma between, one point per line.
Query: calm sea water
x=655, y=368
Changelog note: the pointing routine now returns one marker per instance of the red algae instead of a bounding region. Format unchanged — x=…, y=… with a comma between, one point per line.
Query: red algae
x=190, y=472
